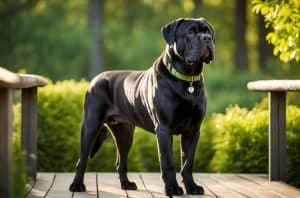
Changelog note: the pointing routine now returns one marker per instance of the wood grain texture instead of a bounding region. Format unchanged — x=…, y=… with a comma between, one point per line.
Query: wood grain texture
x=150, y=186
x=5, y=141
x=42, y=185
x=12, y=80
x=29, y=129
x=274, y=85
x=277, y=136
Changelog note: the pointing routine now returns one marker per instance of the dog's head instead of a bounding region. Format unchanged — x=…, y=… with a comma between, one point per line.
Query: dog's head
x=191, y=40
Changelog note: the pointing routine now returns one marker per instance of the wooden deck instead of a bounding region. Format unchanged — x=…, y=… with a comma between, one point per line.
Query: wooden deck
x=107, y=185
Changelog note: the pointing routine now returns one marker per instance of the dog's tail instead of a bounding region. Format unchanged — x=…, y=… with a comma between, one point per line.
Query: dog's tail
x=102, y=135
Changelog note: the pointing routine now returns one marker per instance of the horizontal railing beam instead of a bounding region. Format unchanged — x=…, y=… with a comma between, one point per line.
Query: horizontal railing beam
x=19, y=81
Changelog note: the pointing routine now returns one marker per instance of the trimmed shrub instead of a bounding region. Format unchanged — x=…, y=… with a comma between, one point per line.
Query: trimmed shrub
x=59, y=120
x=19, y=177
x=241, y=141
x=293, y=145
x=18, y=169
x=144, y=151
x=205, y=149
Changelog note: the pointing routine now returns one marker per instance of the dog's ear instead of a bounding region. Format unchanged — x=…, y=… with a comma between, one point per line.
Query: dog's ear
x=169, y=30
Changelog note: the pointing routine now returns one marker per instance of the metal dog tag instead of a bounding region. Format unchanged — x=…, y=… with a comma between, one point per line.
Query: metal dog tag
x=191, y=89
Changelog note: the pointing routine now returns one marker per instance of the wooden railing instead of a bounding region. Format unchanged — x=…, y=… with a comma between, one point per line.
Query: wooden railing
x=277, y=118
x=28, y=84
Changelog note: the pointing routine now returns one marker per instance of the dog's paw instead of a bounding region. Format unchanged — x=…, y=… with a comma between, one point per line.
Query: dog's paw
x=194, y=189
x=77, y=187
x=173, y=190
x=127, y=185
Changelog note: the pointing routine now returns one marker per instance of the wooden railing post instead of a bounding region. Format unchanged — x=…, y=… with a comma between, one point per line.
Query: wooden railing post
x=29, y=129
x=277, y=90
x=5, y=141
x=277, y=136
x=28, y=84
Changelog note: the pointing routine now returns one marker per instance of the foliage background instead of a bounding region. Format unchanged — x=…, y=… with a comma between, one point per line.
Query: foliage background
x=53, y=39
x=284, y=18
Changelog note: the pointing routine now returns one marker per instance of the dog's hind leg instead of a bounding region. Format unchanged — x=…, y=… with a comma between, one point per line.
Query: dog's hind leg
x=91, y=129
x=88, y=138
x=123, y=136
x=101, y=136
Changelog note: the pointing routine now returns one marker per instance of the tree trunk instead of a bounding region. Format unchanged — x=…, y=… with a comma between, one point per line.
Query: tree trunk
x=96, y=56
x=197, y=8
x=241, y=56
x=264, y=48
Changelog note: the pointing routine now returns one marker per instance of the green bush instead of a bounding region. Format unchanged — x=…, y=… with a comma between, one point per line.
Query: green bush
x=293, y=145
x=18, y=167
x=144, y=149
x=241, y=141
x=59, y=119
x=205, y=149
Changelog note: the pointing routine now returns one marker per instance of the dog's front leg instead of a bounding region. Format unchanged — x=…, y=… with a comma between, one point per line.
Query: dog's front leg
x=189, y=143
x=164, y=141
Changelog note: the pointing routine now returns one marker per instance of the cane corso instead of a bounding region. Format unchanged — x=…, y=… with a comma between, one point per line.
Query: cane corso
x=167, y=99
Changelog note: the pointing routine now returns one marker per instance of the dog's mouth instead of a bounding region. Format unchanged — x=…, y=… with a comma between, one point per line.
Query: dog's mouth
x=203, y=53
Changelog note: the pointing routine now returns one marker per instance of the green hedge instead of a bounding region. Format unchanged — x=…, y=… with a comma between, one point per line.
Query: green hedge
x=18, y=169
x=59, y=119
x=241, y=141
x=235, y=141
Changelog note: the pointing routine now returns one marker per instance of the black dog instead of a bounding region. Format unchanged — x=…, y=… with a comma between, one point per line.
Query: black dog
x=167, y=99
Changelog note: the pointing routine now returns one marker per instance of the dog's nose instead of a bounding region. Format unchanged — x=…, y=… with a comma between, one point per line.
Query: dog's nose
x=204, y=38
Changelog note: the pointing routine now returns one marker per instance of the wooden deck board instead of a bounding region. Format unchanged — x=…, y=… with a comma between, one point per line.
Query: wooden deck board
x=109, y=186
x=60, y=187
x=141, y=191
x=41, y=185
x=153, y=184
x=241, y=186
x=150, y=185
x=216, y=188
x=90, y=181
x=279, y=188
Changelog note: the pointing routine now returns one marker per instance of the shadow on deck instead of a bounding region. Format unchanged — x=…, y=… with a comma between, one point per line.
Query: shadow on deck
x=107, y=185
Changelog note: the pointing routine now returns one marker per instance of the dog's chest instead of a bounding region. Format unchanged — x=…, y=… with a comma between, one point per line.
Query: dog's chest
x=187, y=116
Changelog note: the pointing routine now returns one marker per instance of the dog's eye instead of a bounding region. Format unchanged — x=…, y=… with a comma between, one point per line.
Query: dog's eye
x=205, y=29
x=191, y=33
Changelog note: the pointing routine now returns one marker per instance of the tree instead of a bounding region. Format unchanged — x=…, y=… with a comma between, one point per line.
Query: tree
x=284, y=18
x=96, y=57
x=197, y=8
x=241, y=57
x=10, y=19
x=263, y=47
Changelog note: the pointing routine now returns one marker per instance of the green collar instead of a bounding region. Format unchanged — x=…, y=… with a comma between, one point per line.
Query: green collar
x=181, y=76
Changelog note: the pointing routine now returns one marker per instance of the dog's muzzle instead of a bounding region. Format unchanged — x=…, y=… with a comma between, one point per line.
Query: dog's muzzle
x=202, y=49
